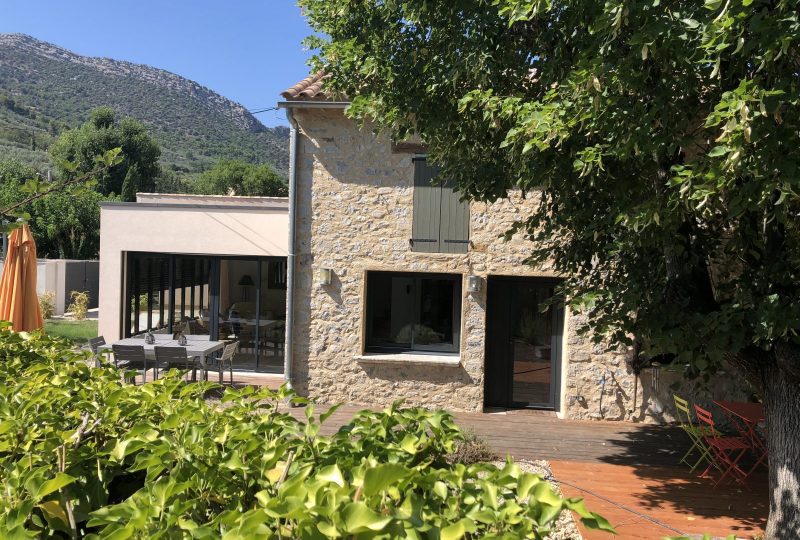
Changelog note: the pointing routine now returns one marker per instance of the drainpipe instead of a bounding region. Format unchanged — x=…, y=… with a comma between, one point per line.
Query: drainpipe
x=288, y=350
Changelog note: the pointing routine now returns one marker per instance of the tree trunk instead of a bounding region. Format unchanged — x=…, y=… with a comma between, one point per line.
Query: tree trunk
x=782, y=410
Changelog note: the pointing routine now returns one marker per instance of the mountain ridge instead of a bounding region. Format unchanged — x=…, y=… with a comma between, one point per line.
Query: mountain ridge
x=195, y=125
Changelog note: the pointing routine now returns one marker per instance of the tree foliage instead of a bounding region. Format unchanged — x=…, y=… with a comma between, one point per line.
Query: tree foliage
x=64, y=216
x=660, y=139
x=82, y=453
x=102, y=132
x=235, y=177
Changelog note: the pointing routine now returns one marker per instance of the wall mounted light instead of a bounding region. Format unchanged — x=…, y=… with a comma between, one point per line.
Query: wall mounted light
x=474, y=284
x=325, y=276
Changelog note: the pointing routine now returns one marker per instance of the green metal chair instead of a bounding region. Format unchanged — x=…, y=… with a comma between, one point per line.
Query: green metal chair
x=696, y=433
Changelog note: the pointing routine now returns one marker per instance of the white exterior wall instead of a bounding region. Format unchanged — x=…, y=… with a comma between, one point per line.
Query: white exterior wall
x=193, y=225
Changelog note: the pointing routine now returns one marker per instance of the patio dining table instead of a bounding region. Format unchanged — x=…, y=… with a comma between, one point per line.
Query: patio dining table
x=199, y=348
x=747, y=417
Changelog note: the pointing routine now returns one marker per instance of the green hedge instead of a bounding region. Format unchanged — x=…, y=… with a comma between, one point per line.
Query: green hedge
x=83, y=455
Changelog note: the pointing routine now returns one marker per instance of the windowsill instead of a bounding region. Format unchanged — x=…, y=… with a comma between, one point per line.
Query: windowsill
x=451, y=360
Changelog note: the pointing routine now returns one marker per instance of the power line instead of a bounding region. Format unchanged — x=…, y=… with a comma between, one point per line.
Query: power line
x=256, y=111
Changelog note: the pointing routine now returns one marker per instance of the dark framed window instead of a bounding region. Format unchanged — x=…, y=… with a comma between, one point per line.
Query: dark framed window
x=441, y=219
x=413, y=312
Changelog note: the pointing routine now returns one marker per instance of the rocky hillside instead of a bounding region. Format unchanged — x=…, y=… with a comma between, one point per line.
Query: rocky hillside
x=44, y=89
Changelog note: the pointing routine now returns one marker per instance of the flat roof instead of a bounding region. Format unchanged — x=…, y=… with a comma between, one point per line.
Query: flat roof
x=189, y=201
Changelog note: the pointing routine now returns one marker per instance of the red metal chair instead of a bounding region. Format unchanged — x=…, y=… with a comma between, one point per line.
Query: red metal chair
x=727, y=450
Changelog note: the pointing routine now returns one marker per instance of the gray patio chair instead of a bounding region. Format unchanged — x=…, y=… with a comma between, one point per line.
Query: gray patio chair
x=131, y=357
x=227, y=358
x=94, y=344
x=168, y=357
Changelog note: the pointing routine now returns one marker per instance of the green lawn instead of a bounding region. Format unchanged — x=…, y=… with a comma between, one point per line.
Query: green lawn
x=77, y=331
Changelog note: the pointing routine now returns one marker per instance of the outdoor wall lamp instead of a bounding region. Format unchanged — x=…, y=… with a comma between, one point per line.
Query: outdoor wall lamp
x=474, y=284
x=325, y=276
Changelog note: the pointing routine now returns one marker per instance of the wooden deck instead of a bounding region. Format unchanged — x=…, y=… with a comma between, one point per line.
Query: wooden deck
x=626, y=472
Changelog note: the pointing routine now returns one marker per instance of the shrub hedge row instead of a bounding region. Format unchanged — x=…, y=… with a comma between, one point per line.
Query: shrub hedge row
x=84, y=456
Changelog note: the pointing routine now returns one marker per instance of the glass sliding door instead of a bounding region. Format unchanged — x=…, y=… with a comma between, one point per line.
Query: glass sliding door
x=252, y=295
x=272, y=305
x=228, y=298
x=524, y=338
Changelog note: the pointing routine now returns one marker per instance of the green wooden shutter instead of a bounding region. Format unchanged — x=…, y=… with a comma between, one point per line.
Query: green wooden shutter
x=454, y=226
x=427, y=209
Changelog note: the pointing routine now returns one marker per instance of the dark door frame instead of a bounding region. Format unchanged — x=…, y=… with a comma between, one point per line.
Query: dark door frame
x=498, y=348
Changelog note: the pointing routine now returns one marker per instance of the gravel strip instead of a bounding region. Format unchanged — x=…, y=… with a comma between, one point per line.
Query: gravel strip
x=565, y=527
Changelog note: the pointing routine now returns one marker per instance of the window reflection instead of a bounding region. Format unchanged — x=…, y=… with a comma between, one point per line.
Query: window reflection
x=413, y=311
x=238, y=299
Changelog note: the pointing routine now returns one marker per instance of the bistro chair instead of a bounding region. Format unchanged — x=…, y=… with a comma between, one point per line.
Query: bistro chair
x=94, y=344
x=227, y=358
x=696, y=434
x=276, y=337
x=727, y=451
x=131, y=357
x=168, y=357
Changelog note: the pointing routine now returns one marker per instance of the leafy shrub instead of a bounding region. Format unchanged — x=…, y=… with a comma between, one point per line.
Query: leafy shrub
x=79, y=304
x=83, y=454
x=471, y=448
x=47, y=303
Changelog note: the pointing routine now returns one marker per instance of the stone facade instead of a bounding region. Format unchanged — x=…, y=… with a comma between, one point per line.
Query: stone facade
x=355, y=215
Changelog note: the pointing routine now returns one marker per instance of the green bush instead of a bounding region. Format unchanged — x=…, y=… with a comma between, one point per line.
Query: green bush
x=83, y=455
x=79, y=304
x=47, y=303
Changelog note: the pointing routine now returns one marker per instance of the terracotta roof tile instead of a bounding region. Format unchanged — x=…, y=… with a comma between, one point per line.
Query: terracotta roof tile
x=308, y=88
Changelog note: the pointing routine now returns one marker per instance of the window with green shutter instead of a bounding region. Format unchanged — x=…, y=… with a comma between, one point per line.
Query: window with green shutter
x=441, y=219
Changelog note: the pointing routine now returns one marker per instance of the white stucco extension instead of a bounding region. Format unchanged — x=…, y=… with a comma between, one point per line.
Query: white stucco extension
x=183, y=224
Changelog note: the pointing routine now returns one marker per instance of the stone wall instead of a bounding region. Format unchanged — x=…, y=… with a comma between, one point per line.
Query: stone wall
x=354, y=215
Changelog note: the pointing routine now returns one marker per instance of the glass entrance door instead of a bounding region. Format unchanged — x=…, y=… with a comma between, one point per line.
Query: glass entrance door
x=252, y=301
x=523, y=344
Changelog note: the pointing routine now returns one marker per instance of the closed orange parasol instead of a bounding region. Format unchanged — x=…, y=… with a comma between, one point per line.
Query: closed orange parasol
x=19, y=303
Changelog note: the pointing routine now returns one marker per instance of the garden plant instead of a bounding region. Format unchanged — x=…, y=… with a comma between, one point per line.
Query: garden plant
x=83, y=455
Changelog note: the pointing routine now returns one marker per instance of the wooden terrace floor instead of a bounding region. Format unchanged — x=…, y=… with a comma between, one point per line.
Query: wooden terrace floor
x=626, y=472
x=629, y=473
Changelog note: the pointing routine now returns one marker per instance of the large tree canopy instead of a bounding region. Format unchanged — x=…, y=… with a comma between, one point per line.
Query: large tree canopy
x=662, y=140
x=102, y=132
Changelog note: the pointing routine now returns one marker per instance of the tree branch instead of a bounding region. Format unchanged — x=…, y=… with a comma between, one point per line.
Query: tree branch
x=7, y=212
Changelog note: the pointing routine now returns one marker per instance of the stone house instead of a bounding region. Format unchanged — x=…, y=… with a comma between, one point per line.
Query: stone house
x=397, y=289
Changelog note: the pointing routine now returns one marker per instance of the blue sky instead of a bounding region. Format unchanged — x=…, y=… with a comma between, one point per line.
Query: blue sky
x=247, y=50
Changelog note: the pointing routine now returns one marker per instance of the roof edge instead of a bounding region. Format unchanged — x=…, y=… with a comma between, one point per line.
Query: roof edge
x=308, y=88
x=298, y=104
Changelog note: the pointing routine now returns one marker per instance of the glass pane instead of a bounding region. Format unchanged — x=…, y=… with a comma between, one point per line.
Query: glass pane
x=439, y=307
x=148, y=278
x=407, y=311
x=273, y=318
x=190, y=308
x=531, y=340
x=237, y=299
x=390, y=310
